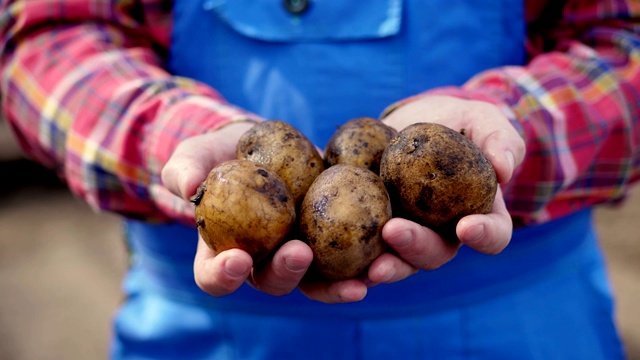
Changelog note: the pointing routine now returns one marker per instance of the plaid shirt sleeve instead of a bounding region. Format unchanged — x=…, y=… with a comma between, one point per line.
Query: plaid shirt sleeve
x=577, y=105
x=84, y=88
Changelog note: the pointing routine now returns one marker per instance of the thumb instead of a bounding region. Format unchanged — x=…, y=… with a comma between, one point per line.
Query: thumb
x=194, y=158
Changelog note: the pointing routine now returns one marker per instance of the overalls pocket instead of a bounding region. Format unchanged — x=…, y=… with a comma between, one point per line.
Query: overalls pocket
x=304, y=21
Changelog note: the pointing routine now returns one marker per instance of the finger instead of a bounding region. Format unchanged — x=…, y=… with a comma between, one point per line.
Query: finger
x=192, y=160
x=505, y=150
x=283, y=273
x=346, y=291
x=417, y=245
x=490, y=129
x=489, y=233
x=223, y=273
x=188, y=166
x=497, y=150
x=388, y=268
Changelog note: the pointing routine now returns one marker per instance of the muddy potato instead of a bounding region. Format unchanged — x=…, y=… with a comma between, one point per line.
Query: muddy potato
x=244, y=205
x=341, y=219
x=435, y=176
x=285, y=150
x=359, y=141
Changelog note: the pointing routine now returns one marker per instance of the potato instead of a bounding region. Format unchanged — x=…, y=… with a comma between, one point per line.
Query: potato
x=341, y=219
x=359, y=141
x=435, y=176
x=244, y=205
x=285, y=150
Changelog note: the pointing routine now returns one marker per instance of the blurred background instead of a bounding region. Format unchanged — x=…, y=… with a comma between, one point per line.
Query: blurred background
x=61, y=266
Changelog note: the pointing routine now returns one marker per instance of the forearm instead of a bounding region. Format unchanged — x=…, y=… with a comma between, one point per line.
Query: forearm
x=91, y=99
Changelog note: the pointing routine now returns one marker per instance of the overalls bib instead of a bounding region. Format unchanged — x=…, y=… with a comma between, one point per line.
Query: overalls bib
x=317, y=64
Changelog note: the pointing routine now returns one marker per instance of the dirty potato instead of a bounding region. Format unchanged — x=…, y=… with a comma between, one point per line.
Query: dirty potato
x=435, y=176
x=285, y=150
x=341, y=219
x=359, y=141
x=244, y=205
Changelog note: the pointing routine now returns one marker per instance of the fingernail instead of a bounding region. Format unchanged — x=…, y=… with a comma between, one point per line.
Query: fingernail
x=391, y=273
x=511, y=159
x=387, y=272
x=236, y=268
x=295, y=265
x=401, y=239
x=352, y=295
x=474, y=234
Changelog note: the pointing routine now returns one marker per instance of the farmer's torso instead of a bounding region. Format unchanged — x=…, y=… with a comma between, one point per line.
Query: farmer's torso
x=318, y=64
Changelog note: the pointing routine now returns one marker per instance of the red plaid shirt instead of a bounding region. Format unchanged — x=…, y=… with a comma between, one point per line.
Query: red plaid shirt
x=84, y=87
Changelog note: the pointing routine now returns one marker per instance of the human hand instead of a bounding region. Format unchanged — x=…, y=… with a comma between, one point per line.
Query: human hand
x=417, y=247
x=223, y=273
x=420, y=248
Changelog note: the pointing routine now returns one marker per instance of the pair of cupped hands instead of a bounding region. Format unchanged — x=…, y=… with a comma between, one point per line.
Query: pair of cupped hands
x=416, y=247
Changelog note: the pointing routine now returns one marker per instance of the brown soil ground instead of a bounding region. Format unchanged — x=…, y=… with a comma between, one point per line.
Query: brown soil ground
x=61, y=265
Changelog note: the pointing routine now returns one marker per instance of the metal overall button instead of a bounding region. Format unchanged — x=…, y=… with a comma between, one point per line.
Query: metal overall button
x=296, y=7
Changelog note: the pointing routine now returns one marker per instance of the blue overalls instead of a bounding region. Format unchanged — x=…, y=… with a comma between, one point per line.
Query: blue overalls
x=318, y=64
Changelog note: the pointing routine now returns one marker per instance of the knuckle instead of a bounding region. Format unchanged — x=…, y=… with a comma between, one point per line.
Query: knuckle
x=212, y=286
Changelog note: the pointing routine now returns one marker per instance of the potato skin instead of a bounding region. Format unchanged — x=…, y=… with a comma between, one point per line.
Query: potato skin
x=342, y=218
x=435, y=176
x=359, y=141
x=285, y=150
x=244, y=205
